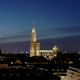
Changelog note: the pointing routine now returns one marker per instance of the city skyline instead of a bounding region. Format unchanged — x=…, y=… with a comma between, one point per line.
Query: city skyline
x=53, y=19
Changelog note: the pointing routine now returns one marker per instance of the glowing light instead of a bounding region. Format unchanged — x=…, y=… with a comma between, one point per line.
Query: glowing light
x=11, y=62
x=26, y=52
x=25, y=62
x=55, y=48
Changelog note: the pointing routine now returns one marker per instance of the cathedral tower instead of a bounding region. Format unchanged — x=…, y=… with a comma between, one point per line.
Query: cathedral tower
x=35, y=45
x=33, y=34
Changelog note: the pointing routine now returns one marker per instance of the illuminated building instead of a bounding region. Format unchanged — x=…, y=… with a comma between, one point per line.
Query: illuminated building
x=49, y=54
x=73, y=73
x=35, y=47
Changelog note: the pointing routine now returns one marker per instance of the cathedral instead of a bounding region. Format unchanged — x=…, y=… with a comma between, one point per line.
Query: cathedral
x=35, y=47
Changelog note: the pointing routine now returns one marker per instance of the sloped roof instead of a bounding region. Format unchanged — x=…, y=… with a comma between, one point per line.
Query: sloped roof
x=18, y=61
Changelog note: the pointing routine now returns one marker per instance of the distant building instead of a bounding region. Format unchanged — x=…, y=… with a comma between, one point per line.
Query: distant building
x=73, y=73
x=35, y=47
x=49, y=54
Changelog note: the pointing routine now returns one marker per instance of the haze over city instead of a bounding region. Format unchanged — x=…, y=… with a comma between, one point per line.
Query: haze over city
x=57, y=22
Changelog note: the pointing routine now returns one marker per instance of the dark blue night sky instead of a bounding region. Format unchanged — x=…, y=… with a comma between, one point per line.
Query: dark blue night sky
x=53, y=19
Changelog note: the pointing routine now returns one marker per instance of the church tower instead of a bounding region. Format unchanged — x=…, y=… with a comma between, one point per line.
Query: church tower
x=35, y=45
x=33, y=34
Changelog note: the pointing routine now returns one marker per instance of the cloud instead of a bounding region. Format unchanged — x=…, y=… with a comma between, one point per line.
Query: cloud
x=70, y=29
x=18, y=36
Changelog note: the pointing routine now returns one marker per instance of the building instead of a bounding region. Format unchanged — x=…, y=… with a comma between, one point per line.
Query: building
x=49, y=54
x=35, y=47
x=73, y=73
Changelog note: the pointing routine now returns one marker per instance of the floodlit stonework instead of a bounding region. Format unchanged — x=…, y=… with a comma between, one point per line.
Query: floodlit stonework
x=35, y=47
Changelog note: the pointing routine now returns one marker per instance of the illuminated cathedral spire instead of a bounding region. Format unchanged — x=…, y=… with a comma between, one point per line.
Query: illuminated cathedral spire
x=35, y=45
x=33, y=33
